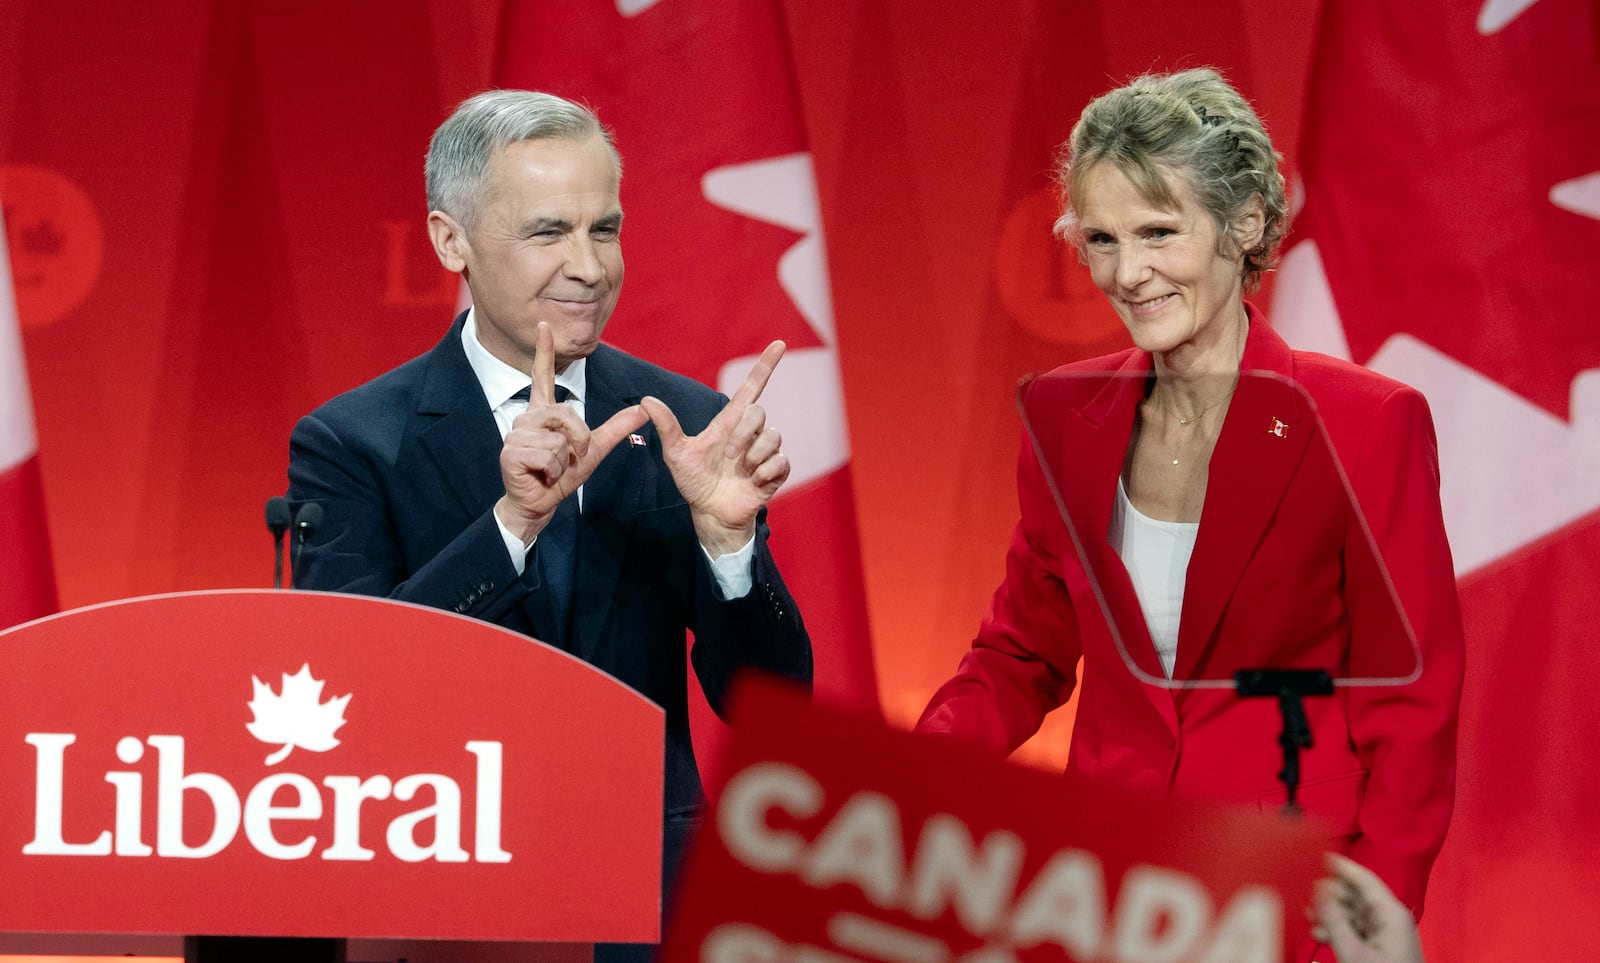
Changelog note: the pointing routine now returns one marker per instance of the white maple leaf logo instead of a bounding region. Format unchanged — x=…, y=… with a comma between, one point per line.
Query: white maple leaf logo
x=297, y=716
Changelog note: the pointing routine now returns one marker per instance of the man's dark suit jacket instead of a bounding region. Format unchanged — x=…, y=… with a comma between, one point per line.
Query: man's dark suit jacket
x=406, y=469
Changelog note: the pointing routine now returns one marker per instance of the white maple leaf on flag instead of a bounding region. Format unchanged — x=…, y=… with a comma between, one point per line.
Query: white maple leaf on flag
x=296, y=716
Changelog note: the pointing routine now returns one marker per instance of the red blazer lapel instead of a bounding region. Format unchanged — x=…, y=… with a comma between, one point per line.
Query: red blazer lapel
x=1262, y=444
x=1084, y=453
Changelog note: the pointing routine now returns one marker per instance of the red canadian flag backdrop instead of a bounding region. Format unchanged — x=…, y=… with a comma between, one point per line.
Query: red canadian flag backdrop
x=1452, y=213
x=27, y=579
x=724, y=253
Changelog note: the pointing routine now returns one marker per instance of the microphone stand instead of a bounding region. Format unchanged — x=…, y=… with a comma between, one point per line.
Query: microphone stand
x=278, y=523
x=1290, y=687
x=306, y=520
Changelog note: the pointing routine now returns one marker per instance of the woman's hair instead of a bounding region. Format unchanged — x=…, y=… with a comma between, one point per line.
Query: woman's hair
x=1190, y=124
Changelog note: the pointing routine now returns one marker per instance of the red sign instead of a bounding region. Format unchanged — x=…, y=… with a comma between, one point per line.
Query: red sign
x=837, y=837
x=306, y=764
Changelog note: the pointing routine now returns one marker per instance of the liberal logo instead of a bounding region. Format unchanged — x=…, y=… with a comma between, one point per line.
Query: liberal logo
x=283, y=805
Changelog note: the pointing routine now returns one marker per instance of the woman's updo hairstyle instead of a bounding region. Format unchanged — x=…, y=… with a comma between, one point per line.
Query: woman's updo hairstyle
x=1191, y=123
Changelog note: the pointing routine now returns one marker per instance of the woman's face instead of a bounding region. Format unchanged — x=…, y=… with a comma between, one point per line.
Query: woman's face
x=1163, y=270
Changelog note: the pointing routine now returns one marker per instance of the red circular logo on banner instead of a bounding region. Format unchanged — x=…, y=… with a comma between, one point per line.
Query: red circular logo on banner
x=55, y=239
x=1041, y=284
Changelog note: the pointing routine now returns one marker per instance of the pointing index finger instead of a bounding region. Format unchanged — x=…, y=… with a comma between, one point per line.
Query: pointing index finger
x=543, y=392
x=760, y=374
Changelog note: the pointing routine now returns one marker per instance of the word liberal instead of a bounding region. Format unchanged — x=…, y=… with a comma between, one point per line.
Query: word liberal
x=261, y=813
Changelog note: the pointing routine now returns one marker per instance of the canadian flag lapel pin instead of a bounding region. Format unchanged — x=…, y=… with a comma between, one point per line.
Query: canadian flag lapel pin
x=636, y=440
x=1279, y=428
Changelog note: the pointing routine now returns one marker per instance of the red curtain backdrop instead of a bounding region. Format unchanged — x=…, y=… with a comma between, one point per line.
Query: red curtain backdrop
x=215, y=217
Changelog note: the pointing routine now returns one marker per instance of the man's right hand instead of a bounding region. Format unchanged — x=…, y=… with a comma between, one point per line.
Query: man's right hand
x=549, y=451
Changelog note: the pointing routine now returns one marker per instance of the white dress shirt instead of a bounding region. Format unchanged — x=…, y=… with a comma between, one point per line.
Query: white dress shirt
x=1156, y=554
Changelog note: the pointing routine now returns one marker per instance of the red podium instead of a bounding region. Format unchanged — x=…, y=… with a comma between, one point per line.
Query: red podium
x=304, y=764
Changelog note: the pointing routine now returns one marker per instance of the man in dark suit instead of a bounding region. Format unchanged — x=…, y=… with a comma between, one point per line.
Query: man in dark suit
x=523, y=473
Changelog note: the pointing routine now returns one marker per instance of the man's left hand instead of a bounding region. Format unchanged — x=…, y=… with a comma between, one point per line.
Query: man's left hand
x=729, y=471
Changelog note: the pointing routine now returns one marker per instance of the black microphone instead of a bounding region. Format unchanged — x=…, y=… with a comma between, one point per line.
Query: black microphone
x=278, y=523
x=306, y=520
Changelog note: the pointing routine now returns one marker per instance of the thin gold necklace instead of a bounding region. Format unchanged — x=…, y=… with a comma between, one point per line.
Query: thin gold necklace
x=1185, y=422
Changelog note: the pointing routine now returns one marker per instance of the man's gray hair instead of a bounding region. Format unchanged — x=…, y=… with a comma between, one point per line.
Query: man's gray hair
x=458, y=155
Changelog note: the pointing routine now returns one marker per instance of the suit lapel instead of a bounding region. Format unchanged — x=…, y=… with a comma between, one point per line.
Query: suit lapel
x=1093, y=445
x=457, y=432
x=1263, y=439
x=1095, y=440
x=611, y=500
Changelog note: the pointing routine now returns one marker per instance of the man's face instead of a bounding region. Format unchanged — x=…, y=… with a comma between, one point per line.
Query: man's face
x=546, y=247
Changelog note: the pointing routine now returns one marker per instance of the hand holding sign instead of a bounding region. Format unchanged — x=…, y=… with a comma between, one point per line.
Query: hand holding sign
x=1360, y=917
x=729, y=471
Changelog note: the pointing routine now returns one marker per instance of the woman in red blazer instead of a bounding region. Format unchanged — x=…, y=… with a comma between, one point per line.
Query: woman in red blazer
x=1212, y=514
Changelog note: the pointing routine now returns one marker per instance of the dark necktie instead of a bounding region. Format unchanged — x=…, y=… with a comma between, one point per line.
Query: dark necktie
x=556, y=551
x=562, y=394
